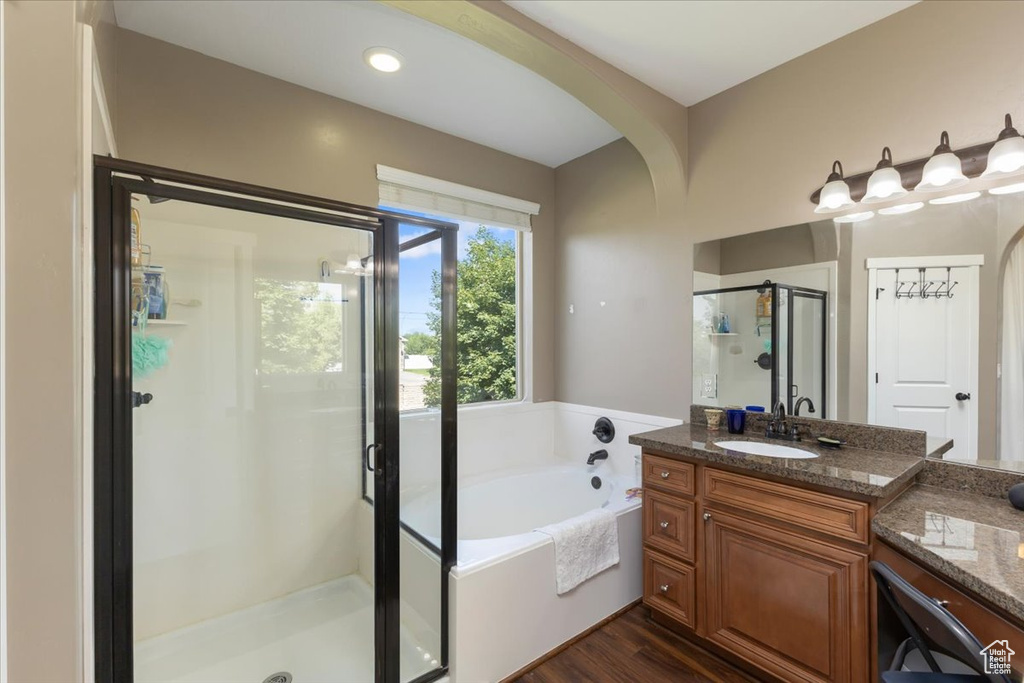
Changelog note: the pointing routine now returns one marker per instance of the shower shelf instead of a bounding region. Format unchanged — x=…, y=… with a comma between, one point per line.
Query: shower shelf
x=723, y=334
x=169, y=323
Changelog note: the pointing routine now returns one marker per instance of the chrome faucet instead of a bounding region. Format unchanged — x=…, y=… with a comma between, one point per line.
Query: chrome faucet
x=597, y=455
x=799, y=402
x=779, y=428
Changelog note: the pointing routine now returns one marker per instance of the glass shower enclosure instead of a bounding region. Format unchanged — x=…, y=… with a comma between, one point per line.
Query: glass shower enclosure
x=756, y=345
x=248, y=448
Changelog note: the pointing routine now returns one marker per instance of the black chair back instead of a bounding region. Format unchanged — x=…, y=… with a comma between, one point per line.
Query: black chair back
x=930, y=625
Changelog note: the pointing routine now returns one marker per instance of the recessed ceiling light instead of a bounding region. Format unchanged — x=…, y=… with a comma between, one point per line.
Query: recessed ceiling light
x=901, y=208
x=383, y=59
x=854, y=217
x=955, y=198
x=1007, y=189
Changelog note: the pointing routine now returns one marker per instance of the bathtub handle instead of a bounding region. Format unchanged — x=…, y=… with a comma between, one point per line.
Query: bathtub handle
x=663, y=588
x=366, y=458
x=707, y=516
x=664, y=474
x=664, y=525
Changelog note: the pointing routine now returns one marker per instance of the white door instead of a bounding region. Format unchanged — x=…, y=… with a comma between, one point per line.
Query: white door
x=926, y=356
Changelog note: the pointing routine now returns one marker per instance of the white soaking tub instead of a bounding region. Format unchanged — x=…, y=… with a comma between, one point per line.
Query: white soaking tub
x=504, y=609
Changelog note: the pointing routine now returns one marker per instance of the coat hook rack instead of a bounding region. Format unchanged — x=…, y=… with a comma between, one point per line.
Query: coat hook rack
x=925, y=288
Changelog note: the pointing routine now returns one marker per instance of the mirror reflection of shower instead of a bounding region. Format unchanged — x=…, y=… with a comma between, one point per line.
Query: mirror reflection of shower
x=757, y=344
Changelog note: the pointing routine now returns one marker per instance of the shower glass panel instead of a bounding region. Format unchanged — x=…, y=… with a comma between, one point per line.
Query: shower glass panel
x=781, y=358
x=249, y=341
x=807, y=353
x=420, y=266
x=732, y=348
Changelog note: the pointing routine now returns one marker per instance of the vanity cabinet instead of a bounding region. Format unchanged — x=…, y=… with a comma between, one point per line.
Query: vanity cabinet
x=775, y=575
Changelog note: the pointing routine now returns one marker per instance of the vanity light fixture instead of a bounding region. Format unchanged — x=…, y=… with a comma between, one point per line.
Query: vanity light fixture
x=1008, y=189
x=383, y=59
x=854, y=217
x=955, y=198
x=835, y=196
x=943, y=170
x=901, y=209
x=1007, y=156
x=885, y=182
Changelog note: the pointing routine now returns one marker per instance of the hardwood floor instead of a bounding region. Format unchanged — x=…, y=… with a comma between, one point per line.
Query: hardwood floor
x=632, y=648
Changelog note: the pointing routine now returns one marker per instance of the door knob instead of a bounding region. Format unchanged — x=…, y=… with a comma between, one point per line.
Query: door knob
x=707, y=516
x=664, y=475
x=663, y=588
x=663, y=525
x=961, y=396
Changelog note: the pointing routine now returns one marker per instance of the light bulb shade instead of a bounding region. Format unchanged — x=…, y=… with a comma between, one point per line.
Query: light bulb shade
x=942, y=172
x=835, y=196
x=884, y=184
x=1005, y=158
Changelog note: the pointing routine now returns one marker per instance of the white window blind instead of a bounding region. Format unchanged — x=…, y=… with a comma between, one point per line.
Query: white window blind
x=414, y=192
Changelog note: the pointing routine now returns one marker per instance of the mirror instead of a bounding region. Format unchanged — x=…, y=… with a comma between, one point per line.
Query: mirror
x=913, y=320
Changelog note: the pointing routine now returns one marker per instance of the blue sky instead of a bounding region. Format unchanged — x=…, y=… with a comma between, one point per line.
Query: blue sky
x=416, y=266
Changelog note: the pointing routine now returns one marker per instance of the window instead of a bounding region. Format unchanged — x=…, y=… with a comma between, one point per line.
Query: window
x=488, y=317
x=493, y=297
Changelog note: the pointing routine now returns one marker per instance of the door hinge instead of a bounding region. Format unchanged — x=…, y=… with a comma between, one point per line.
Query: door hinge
x=878, y=290
x=876, y=378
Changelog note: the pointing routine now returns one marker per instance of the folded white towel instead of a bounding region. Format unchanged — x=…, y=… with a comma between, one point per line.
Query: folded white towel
x=584, y=547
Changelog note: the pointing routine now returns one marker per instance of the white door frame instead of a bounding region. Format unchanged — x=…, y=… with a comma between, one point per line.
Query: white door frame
x=971, y=261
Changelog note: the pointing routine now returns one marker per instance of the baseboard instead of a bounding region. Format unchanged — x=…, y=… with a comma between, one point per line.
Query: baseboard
x=569, y=643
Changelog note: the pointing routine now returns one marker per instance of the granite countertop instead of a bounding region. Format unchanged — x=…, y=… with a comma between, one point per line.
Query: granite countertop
x=972, y=540
x=872, y=473
x=937, y=446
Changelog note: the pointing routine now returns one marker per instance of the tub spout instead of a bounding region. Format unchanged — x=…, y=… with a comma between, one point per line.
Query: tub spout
x=597, y=455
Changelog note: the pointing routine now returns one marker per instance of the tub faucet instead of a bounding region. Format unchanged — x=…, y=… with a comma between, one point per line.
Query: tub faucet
x=597, y=455
x=799, y=402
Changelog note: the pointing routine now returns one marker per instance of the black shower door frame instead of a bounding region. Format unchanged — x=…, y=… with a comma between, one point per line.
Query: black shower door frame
x=114, y=182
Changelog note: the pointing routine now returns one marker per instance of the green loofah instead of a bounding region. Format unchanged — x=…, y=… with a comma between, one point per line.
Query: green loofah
x=149, y=353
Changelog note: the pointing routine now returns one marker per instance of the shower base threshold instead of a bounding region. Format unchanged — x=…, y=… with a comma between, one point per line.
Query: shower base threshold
x=322, y=634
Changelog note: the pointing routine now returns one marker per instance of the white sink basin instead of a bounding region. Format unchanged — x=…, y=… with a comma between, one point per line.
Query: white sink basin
x=770, y=450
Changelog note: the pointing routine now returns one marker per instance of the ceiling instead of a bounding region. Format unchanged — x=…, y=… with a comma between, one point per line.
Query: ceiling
x=448, y=83
x=688, y=50
x=692, y=50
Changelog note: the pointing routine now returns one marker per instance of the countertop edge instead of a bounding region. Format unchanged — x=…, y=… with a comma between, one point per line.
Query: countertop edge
x=879, y=491
x=946, y=570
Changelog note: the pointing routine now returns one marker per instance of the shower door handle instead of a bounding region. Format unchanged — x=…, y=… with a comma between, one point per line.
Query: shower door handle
x=139, y=399
x=366, y=457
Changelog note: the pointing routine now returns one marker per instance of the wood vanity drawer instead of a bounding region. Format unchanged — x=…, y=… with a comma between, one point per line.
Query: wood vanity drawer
x=668, y=475
x=669, y=587
x=669, y=524
x=839, y=517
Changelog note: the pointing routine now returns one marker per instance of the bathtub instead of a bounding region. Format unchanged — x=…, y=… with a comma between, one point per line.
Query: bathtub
x=499, y=511
x=503, y=607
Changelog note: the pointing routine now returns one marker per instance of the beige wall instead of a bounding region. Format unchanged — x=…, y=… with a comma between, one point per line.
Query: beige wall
x=612, y=248
x=183, y=110
x=42, y=342
x=758, y=150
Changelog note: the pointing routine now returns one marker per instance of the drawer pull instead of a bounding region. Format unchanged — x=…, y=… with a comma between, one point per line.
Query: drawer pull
x=663, y=525
x=664, y=474
x=707, y=516
x=663, y=588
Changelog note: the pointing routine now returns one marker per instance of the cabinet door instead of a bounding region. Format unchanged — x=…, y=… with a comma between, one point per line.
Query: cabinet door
x=793, y=606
